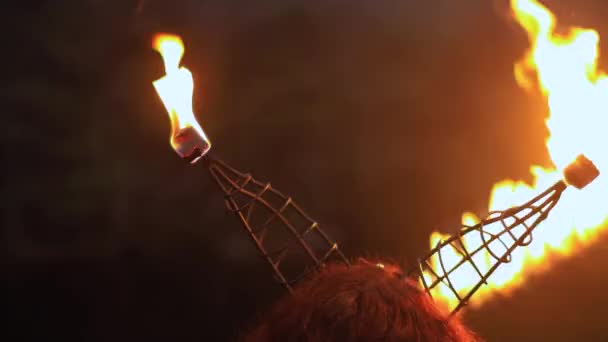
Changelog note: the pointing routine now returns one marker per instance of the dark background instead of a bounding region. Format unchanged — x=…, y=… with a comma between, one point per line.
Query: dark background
x=384, y=119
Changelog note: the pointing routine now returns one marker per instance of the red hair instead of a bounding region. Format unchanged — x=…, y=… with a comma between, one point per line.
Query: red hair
x=363, y=302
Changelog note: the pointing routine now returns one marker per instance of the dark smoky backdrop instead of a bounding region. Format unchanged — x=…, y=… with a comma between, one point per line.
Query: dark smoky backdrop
x=384, y=119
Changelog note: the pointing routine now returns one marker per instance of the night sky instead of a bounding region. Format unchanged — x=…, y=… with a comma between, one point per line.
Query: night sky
x=384, y=119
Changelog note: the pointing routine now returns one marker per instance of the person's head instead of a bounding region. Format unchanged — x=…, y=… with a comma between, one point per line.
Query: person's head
x=363, y=302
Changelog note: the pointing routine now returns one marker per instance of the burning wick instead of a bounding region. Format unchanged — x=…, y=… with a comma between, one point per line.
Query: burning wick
x=580, y=172
x=175, y=90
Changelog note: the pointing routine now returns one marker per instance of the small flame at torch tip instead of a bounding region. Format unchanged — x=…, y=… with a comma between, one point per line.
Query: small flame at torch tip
x=175, y=90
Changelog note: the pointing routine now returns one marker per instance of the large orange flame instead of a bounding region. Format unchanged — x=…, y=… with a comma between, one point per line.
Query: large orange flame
x=175, y=90
x=564, y=68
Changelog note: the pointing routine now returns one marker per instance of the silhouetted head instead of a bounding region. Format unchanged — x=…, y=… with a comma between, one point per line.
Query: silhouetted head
x=363, y=302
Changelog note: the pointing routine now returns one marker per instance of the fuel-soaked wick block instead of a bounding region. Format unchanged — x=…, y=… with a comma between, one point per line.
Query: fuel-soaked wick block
x=190, y=145
x=580, y=172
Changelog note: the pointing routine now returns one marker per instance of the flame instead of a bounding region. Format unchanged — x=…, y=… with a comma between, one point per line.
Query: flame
x=563, y=67
x=176, y=88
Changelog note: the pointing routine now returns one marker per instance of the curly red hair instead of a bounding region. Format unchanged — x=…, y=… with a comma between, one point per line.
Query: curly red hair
x=363, y=302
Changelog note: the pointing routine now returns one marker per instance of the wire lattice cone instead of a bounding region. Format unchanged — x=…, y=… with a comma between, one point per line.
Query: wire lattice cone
x=290, y=241
x=498, y=235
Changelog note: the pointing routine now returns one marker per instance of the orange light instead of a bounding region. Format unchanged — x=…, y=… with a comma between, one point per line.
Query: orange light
x=564, y=69
x=175, y=90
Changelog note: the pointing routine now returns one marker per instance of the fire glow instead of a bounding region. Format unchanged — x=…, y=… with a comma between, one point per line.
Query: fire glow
x=175, y=90
x=564, y=68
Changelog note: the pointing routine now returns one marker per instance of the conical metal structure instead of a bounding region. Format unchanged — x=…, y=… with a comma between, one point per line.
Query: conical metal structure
x=479, y=250
x=497, y=235
x=289, y=240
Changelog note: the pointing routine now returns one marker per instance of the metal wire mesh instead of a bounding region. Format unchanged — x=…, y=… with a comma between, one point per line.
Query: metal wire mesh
x=289, y=240
x=483, y=247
